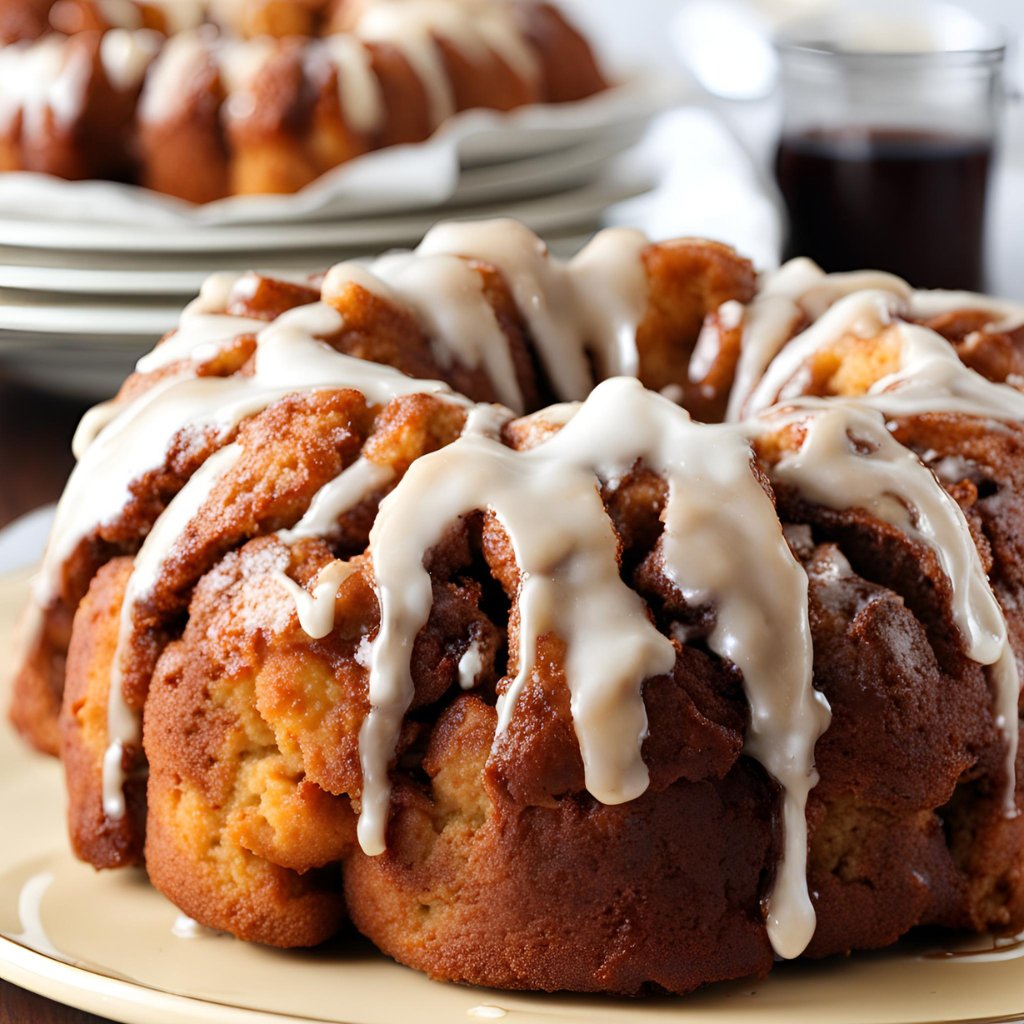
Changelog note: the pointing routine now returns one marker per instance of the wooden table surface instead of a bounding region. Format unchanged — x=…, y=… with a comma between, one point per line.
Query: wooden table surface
x=35, y=459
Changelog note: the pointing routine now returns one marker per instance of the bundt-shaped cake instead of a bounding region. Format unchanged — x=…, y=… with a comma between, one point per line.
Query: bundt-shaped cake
x=203, y=100
x=711, y=661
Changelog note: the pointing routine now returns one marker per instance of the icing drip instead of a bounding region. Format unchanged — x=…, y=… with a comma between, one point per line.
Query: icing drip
x=592, y=304
x=848, y=459
x=357, y=483
x=499, y=29
x=316, y=609
x=487, y=420
x=181, y=60
x=215, y=293
x=470, y=665
x=126, y=56
x=410, y=27
x=447, y=295
x=91, y=424
x=40, y=79
x=718, y=522
x=930, y=376
x=932, y=379
x=123, y=722
x=289, y=358
x=242, y=61
x=798, y=289
x=199, y=336
x=362, y=99
x=477, y=30
x=1006, y=316
x=863, y=313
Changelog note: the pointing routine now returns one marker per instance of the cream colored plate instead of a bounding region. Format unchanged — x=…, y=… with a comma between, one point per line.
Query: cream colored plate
x=104, y=943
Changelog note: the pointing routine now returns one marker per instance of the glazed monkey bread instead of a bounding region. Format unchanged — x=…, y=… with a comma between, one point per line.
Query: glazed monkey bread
x=613, y=625
x=203, y=100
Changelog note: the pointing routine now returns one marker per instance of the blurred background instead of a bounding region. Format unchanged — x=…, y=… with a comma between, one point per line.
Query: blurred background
x=724, y=50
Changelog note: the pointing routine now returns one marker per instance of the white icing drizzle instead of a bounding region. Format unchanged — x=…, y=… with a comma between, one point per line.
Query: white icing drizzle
x=610, y=285
x=470, y=665
x=863, y=313
x=41, y=78
x=477, y=30
x=215, y=292
x=341, y=275
x=797, y=289
x=930, y=377
x=180, y=61
x=447, y=296
x=357, y=483
x=241, y=61
x=123, y=722
x=592, y=304
x=126, y=56
x=487, y=420
x=316, y=609
x=199, y=336
x=730, y=314
x=409, y=28
x=289, y=358
x=848, y=459
x=1006, y=316
x=92, y=423
x=359, y=89
x=718, y=522
x=499, y=29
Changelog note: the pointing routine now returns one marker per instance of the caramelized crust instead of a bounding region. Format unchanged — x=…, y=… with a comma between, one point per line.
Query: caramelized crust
x=476, y=888
x=96, y=838
x=235, y=835
x=688, y=281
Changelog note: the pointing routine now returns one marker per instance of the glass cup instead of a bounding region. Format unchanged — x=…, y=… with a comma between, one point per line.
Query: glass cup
x=888, y=137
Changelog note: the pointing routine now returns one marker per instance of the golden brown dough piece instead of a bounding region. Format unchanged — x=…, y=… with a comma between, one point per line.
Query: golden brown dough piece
x=236, y=835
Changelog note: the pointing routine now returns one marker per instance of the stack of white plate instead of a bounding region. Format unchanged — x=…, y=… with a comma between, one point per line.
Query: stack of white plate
x=93, y=273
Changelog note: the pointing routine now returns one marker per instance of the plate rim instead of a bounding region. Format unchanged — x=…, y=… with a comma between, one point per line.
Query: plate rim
x=551, y=212
x=95, y=992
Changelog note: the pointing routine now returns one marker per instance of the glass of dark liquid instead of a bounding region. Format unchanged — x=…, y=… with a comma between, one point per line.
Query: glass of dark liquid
x=888, y=138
